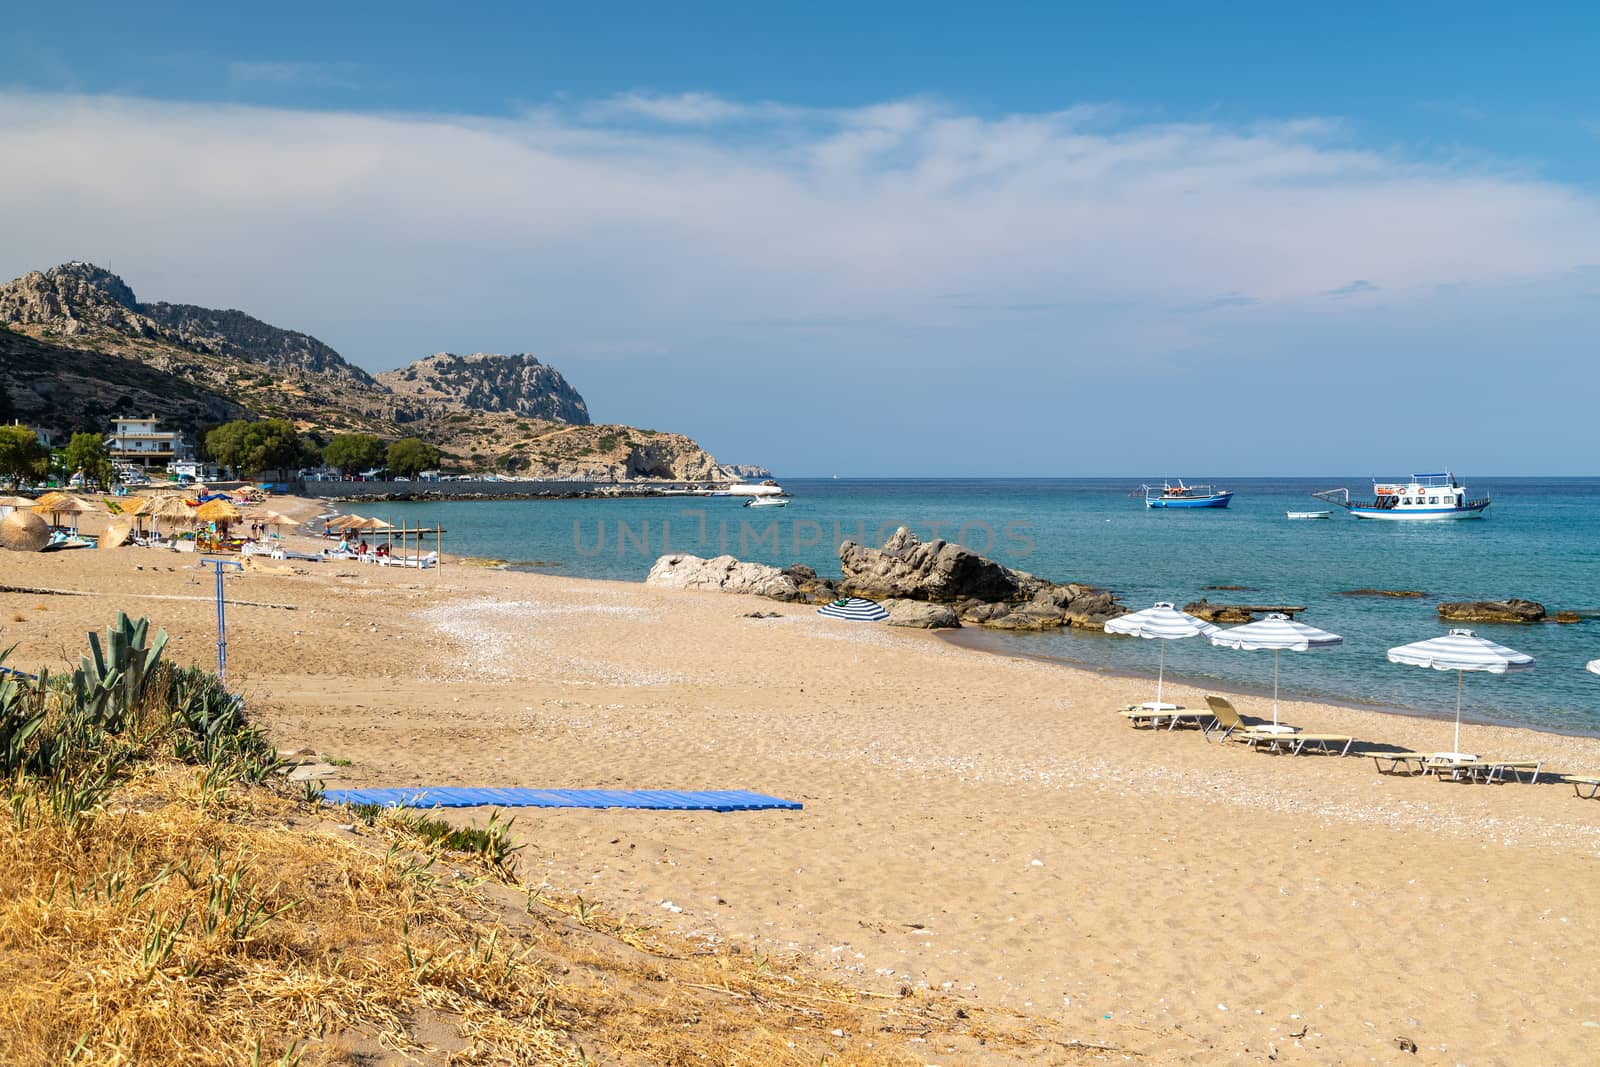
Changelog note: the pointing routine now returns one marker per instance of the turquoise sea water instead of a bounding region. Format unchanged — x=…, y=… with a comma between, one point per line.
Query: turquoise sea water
x=1541, y=541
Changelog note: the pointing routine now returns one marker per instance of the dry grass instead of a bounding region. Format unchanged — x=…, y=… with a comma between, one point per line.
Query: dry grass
x=184, y=925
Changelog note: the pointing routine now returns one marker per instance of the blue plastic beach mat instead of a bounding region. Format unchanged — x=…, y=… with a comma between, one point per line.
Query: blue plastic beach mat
x=480, y=797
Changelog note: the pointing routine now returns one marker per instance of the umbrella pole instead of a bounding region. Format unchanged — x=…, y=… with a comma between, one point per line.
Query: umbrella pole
x=1161, y=670
x=1460, y=676
x=1275, y=653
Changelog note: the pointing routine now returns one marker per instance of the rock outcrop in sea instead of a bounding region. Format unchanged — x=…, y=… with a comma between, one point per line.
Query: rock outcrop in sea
x=978, y=590
x=933, y=585
x=1512, y=610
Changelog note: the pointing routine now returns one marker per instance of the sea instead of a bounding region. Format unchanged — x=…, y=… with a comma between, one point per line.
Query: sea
x=1539, y=541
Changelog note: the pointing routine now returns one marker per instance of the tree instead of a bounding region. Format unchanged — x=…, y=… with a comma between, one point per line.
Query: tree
x=352, y=453
x=411, y=456
x=21, y=454
x=252, y=447
x=86, y=452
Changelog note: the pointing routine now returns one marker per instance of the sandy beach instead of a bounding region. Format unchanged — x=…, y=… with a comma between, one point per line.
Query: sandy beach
x=975, y=824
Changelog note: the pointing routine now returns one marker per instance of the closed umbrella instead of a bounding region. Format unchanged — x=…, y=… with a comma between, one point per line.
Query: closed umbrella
x=854, y=609
x=1164, y=623
x=1279, y=633
x=1461, y=651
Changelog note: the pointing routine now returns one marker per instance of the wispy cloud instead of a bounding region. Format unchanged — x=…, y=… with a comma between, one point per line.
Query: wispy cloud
x=294, y=73
x=1356, y=288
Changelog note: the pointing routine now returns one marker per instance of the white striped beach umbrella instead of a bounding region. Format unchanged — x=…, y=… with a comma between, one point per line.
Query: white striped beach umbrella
x=1165, y=623
x=1279, y=633
x=854, y=609
x=1461, y=651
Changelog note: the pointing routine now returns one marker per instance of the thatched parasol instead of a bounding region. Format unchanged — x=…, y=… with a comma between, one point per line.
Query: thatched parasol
x=18, y=502
x=173, y=512
x=49, y=498
x=118, y=531
x=63, y=505
x=23, y=531
x=344, y=522
x=218, y=511
x=269, y=518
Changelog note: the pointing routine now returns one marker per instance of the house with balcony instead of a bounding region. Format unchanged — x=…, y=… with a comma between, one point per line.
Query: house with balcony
x=141, y=442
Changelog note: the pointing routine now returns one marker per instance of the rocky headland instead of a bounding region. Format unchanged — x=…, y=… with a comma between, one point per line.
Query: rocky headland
x=78, y=347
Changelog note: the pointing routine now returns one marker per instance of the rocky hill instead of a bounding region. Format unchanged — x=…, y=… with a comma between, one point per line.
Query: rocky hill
x=517, y=385
x=77, y=347
x=66, y=389
x=76, y=298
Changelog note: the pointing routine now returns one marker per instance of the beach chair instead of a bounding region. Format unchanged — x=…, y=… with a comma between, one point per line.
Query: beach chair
x=1328, y=744
x=1499, y=770
x=1579, y=783
x=1409, y=763
x=1231, y=726
x=1138, y=715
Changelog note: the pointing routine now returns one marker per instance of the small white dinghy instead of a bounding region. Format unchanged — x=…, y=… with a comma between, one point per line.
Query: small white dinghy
x=1310, y=514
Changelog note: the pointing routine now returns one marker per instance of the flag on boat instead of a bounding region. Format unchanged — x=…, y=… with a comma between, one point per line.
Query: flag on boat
x=854, y=609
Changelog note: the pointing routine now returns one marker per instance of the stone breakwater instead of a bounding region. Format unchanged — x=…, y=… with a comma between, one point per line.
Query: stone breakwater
x=932, y=585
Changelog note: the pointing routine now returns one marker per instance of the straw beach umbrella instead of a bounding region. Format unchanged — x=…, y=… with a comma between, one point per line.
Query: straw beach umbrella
x=63, y=505
x=220, y=512
x=1279, y=633
x=1164, y=623
x=23, y=531
x=1461, y=651
x=173, y=512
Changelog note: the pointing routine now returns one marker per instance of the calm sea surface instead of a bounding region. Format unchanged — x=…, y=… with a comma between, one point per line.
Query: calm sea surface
x=1541, y=541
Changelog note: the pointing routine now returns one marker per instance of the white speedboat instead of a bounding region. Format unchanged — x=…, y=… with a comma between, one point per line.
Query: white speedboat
x=767, y=502
x=1425, y=498
x=766, y=488
x=1310, y=514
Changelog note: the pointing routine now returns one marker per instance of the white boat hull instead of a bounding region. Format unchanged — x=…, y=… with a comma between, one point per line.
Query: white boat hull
x=1400, y=515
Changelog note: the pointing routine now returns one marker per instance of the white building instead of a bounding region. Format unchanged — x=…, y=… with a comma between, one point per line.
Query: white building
x=142, y=443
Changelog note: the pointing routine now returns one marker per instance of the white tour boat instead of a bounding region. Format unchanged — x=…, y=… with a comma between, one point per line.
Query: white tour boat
x=1425, y=498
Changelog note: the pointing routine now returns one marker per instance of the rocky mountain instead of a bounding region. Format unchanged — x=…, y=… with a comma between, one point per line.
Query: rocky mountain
x=517, y=385
x=76, y=298
x=66, y=389
x=77, y=347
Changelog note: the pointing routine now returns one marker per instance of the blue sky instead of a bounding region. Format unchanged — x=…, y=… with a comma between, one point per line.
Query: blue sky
x=1005, y=240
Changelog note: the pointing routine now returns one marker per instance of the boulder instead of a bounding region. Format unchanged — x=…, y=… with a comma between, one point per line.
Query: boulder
x=813, y=590
x=979, y=591
x=1204, y=609
x=921, y=615
x=23, y=531
x=1512, y=610
x=936, y=570
x=1400, y=594
x=723, y=574
x=1568, y=617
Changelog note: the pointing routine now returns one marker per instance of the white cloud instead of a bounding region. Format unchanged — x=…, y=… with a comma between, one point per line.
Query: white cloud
x=656, y=223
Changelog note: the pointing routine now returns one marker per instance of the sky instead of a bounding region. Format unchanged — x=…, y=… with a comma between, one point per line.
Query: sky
x=875, y=240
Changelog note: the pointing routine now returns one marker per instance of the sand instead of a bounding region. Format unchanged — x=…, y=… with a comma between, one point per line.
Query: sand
x=976, y=824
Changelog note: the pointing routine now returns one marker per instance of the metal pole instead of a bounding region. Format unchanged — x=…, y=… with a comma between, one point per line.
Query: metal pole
x=1274, y=687
x=1161, y=672
x=219, y=565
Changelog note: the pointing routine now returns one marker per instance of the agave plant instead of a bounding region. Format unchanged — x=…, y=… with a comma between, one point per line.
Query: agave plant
x=107, y=687
x=22, y=713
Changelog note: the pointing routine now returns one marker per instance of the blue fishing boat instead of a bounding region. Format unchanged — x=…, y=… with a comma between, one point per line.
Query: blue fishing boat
x=1425, y=498
x=1167, y=495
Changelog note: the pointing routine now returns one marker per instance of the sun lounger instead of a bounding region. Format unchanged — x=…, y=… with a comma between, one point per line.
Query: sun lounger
x=1234, y=727
x=1327, y=743
x=1401, y=762
x=1138, y=715
x=1486, y=771
x=1580, y=783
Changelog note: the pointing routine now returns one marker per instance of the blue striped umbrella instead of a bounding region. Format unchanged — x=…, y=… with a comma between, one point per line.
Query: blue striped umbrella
x=1461, y=651
x=1279, y=633
x=1165, y=623
x=854, y=609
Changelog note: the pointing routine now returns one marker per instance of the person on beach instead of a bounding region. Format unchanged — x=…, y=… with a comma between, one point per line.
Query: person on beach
x=344, y=546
